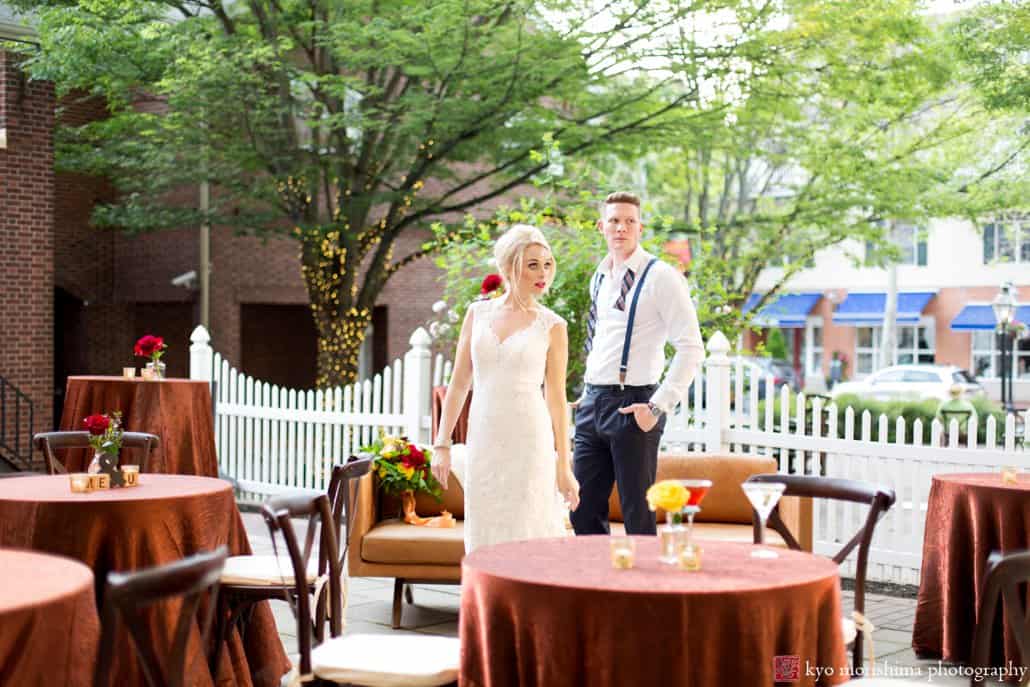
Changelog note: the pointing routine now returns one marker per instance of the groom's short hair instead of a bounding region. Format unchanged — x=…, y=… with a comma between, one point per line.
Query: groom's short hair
x=621, y=197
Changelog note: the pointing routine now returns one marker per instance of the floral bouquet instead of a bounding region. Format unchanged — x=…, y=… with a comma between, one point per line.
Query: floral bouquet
x=404, y=469
x=670, y=496
x=105, y=436
x=153, y=347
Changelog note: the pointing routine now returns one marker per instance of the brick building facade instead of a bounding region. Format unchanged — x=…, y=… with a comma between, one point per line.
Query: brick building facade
x=75, y=297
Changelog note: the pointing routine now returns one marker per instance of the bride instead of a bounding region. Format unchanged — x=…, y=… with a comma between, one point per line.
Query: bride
x=518, y=443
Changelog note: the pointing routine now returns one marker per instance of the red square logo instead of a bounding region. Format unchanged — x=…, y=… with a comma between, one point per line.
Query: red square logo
x=786, y=668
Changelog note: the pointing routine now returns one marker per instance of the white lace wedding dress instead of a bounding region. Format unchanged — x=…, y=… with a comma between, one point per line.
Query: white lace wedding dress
x=510, y=487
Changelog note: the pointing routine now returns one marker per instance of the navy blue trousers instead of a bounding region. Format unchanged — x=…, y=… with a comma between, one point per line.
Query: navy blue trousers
x=611, y=448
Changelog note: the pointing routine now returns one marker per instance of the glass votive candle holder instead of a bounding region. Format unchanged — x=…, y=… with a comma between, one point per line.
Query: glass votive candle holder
x=99, y=480
x=690, y=558
x=623, y=552
x=147, y=373
x=130, y=475
x=79, y=482
x=129, y=372
x=1010, y=474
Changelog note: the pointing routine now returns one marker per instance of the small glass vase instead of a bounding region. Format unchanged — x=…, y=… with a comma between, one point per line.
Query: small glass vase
x=94, y=465
x=157, y=369
x=673, y=537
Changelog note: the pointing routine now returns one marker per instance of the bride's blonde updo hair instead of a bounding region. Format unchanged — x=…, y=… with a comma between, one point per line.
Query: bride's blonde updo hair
x=510, y=249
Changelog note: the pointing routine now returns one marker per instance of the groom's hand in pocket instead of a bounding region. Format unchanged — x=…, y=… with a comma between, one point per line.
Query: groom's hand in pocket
x=643, y=416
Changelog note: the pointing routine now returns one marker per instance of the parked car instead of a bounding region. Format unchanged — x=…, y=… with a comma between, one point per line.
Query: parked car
x=781, y=370
x=912, y=382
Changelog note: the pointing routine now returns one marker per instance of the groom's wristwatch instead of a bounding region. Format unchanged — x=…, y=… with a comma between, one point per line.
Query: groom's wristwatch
x=655, y=410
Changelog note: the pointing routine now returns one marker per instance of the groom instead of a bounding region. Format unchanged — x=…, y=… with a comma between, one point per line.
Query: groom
x=638, y=304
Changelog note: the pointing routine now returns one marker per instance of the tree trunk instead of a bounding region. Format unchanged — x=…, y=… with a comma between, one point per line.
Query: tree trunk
x=340, y=335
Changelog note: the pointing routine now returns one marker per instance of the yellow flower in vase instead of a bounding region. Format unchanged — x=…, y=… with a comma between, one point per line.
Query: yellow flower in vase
x=669, y=495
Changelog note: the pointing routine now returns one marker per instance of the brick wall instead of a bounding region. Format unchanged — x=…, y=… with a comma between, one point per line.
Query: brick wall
x=26, y=237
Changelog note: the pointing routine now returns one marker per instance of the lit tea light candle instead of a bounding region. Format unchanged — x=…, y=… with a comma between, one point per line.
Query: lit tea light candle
x=129, y=372
x=79, y=482
x=99, y=480
x=147, y=373
x=130, y=475
x=1010, y=474
x=623, y=553
x=690, y=558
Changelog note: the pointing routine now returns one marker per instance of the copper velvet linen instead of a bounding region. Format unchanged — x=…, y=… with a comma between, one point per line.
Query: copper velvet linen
x=553, y=612
x=968, y=517
x=164, y=519
x=49, y=630
x=461, y=427
x=178, y=411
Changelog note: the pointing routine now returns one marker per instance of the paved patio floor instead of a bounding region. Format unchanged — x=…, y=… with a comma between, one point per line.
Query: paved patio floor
x=435, y=612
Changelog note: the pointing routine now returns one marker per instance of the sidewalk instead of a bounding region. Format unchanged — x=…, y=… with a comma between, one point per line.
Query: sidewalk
x=435, y=612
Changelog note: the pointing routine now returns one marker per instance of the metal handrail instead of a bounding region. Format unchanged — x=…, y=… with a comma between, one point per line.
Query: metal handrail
x=21, y=445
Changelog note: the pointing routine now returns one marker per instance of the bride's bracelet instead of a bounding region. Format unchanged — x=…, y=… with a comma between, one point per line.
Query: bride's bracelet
x=439, y=446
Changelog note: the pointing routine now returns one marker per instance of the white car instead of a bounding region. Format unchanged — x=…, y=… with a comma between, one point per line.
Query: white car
x=911, y=382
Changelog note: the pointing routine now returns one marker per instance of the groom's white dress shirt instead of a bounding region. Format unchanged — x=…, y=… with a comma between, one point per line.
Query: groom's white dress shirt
x=665, y=312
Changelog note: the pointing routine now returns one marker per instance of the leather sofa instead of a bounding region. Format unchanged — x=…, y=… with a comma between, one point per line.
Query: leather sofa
x=381, y=545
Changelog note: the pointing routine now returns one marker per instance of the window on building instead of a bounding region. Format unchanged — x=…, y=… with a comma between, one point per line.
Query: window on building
x=915, y=345
x=1007, y=240
x=814, y=346
x=910, y=240
x=986, y=358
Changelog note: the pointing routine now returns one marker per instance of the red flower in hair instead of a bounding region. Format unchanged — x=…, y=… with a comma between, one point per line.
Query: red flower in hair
x=96, y=424
x=491, y=282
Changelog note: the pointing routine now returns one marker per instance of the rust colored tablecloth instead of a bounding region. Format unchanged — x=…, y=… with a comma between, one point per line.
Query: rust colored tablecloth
x=553, y=612
x=41, y=598
x=176, y=410
x=164, y=519
x=968, y=516
x=461, y=427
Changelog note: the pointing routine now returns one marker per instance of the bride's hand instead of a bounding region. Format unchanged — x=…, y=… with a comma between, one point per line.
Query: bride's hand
x=568, y=487
x=441, y=465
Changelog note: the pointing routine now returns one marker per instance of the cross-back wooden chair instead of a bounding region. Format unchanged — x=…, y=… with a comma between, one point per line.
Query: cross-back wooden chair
x=1006, y=576
x=49, y=442
x=879, y=499
x=128, y=595
x=356, y=660
x=248, y=580
x=343, y=496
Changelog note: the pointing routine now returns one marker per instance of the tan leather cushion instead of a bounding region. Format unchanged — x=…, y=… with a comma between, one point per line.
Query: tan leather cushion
x=396, y=542
x=720, y=531
x=453, y=500
x=725, y=501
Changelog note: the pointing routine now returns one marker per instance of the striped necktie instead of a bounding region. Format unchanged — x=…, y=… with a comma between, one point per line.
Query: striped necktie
x=627, y=284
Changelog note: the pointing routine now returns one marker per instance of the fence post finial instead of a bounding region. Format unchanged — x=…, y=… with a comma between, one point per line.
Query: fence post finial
x=200, y=354
x=417, y=387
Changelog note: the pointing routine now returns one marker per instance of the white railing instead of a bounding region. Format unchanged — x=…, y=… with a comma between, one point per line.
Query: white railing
x=272, y=439
x=734, y=422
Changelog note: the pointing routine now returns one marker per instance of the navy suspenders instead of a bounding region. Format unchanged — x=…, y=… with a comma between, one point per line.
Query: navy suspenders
x=632, y=315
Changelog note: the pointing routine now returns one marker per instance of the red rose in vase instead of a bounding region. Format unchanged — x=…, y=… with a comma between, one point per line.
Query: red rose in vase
x=96, y=424
x=150, y=346
x=491, y=283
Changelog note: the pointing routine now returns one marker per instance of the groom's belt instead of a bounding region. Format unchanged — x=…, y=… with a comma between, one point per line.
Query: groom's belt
x=597, y=388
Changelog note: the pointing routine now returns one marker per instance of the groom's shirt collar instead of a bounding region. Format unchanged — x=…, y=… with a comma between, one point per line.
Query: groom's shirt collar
x=635, y=262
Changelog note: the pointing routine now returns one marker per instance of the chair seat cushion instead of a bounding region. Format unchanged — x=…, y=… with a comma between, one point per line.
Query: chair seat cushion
x=263, y=570
x=720, y=531
x=393, y=541
x=849, y=630
x=388, y=660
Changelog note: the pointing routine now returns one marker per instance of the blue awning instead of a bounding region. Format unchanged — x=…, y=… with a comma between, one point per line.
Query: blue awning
x=866, y=309
x=982, y=317
x=787, y=311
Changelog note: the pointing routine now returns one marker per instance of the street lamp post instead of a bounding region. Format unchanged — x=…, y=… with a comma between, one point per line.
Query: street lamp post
x=1004, y=306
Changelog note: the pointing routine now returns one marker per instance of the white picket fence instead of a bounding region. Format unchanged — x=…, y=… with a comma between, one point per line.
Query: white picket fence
x=272, y=439
x=719, y=421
